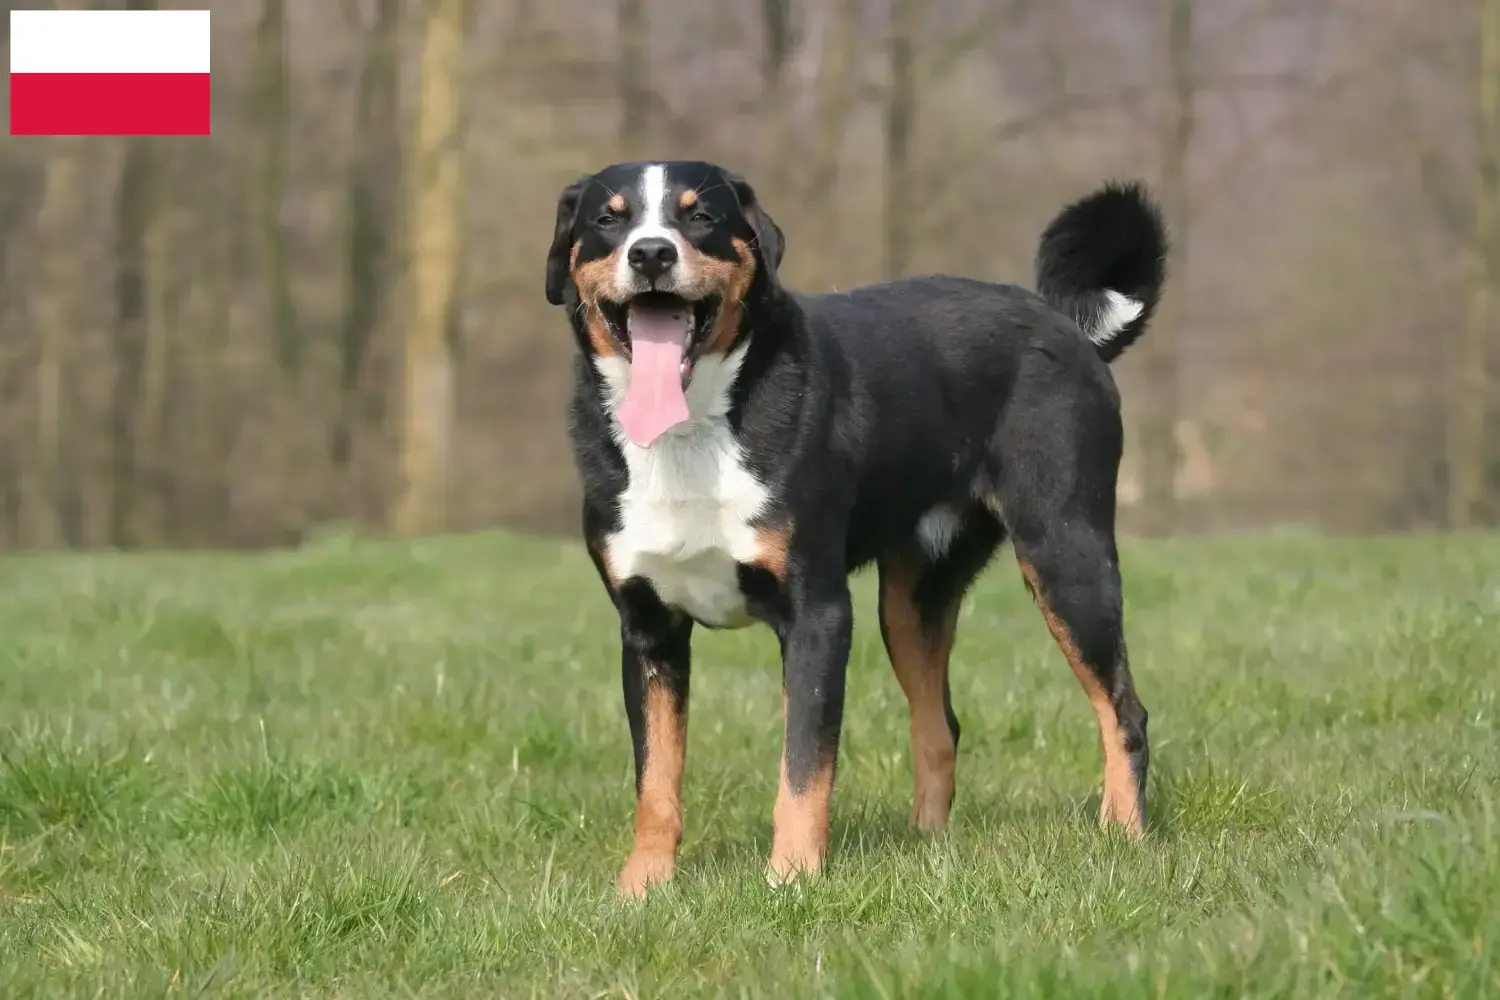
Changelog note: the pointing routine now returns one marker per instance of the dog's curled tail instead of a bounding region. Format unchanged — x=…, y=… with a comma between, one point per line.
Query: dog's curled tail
x=1102, y=262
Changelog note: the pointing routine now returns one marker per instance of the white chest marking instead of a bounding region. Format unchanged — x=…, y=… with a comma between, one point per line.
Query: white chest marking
x=685, y=515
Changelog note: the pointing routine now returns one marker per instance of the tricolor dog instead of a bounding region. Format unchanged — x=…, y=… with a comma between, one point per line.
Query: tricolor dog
x=743, y=448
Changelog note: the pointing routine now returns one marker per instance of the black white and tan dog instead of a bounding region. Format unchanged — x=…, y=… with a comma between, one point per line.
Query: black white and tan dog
x=743, y=448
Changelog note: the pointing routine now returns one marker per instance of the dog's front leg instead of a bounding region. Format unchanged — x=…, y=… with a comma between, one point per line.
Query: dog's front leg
x=815, y=655
x=655, y=661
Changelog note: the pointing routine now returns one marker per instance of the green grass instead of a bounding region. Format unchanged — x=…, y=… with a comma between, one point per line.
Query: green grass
x=381, y=770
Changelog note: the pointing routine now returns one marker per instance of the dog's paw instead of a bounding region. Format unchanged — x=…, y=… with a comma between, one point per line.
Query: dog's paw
x=788, y=867
x=643, y=869
x=1123, y=811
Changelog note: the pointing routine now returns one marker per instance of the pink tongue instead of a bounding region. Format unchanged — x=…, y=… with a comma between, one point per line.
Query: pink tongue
x=654, y=401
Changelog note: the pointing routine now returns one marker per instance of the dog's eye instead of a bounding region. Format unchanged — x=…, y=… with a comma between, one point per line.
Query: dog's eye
x=702, y=217
x=606, y=220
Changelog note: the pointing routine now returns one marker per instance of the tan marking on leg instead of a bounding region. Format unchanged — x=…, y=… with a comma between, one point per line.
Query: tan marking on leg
x=800, y=825
x=688, y=198
x=919, y=657
x=1119, y=803
x=616, y=203
x=658, y=807
x=771, y=547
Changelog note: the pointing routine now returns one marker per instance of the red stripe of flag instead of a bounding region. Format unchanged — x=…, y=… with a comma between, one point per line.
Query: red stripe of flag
x=110, y=103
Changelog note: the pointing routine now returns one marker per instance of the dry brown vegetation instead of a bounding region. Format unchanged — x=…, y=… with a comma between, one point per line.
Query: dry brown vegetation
x=219, y=341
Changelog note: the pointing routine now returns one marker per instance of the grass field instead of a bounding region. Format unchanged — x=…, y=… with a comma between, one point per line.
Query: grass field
x=383, y=770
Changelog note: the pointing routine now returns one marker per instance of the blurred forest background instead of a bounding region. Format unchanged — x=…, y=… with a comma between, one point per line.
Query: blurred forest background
x=330, y=312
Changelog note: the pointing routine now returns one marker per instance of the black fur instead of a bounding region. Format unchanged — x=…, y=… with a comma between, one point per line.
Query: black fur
x=1115, y=239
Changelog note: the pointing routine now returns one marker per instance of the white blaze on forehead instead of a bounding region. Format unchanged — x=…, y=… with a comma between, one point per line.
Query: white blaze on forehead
x=653, y=196
x=652, y=223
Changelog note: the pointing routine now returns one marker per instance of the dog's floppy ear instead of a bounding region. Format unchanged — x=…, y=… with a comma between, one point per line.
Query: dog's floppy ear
x=767, y=232
x=558, y=257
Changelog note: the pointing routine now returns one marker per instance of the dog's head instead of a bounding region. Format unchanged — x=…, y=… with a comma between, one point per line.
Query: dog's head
x=661, y=262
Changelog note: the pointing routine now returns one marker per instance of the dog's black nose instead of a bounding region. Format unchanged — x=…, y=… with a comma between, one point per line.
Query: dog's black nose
x=653, y=256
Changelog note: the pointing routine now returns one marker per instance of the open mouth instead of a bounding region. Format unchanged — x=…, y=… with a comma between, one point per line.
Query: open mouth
x=661, y=335
x=661, y=316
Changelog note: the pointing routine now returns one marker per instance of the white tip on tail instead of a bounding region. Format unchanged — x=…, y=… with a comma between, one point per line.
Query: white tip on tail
x=1117, y=312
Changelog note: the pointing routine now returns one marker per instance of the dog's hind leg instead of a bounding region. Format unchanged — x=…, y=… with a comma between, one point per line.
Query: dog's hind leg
x=1074, y=579
x=919, y=642
x=920, y=596
x=1056, y=477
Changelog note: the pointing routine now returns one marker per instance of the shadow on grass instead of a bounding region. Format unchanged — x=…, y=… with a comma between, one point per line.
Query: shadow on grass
x=872, y=830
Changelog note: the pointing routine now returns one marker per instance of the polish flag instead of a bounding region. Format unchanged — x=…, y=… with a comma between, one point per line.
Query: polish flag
x=109, y=72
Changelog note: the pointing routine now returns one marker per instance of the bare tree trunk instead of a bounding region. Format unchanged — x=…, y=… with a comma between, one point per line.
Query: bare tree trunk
x=436, y=222
x=1469, y=390
x=372, y=197
x=139, y=334
x=216, y=396
x=133, y=210
x=273, y=114
x=18, y=194
x=775, y=97
x=522, y=26
x=635, y=83
x=56, y=321
x=776, y=22
x=901, y=201
x=837, y=65
x=52, y=508
x=154, y=449
x=1158, y=438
